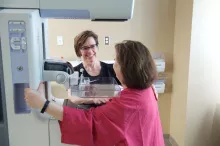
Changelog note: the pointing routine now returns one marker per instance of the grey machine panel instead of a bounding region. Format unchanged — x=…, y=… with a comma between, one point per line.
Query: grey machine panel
x=4, y=141
x=115, y=10
x=96, y=10
x=19, y=3
x=22, y=62
x=19, y=67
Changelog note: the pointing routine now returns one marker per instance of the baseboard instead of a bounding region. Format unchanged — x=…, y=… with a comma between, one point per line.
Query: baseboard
x=171, y=139
x=166, y=136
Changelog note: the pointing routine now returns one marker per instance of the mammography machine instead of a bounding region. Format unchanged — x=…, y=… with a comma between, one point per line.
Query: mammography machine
x=25, y=61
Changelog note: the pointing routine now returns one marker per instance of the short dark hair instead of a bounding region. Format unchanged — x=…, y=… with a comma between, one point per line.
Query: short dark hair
x=81, y=38
x=137, y=65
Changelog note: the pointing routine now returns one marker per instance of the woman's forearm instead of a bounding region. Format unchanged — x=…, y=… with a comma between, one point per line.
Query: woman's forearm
x=55, y=110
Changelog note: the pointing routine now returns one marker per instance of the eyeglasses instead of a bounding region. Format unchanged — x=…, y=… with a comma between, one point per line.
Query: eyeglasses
x=88, y=47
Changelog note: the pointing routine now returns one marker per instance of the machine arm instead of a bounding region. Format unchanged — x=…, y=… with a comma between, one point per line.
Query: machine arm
x=60, y=71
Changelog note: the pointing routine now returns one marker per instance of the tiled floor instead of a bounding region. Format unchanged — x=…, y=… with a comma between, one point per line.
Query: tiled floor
x=167, y=143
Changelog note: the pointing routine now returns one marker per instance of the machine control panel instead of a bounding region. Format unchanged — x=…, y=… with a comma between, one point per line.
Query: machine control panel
x=19, y=63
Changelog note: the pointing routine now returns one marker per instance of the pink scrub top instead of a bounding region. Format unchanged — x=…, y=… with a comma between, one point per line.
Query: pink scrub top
x=131, y=120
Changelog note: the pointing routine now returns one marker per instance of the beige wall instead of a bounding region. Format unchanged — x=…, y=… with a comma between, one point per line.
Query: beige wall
x=153, y=24
x=183, y=20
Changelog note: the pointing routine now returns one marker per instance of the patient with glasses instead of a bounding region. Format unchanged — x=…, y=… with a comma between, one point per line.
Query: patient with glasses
x=86, y=45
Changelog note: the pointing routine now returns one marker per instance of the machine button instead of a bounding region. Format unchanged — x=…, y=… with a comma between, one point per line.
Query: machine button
x=20, y=68
x=61, y=78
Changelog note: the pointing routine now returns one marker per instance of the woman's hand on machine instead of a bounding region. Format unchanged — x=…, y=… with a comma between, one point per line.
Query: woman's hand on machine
x=78, y=100
x=35, y=98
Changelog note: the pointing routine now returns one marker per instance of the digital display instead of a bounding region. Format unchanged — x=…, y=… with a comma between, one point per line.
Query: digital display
x=58, y=67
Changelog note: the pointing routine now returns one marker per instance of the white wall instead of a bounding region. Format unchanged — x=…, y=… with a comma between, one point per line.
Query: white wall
x=204, y=75
x=195, y=107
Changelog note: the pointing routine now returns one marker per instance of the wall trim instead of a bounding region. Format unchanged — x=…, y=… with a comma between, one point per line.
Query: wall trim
x=170, y=139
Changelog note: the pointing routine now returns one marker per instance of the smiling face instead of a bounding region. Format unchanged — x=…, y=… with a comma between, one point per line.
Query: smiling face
x=89, y=50
x=86, y=44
